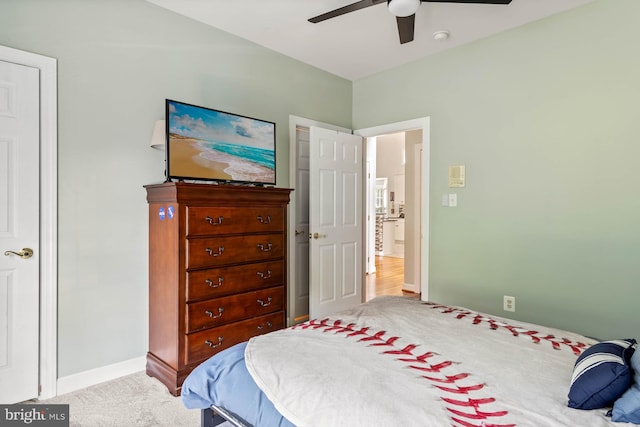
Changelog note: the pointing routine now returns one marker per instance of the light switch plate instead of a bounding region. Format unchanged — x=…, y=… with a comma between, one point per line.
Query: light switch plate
x=457, y=176
x=453, y=200
x=445, y=200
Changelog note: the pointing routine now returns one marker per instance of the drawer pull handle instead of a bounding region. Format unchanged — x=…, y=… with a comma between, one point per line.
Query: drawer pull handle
x=261, y=326
x=211, y=253
x=212, y=345
x=212, y=221
x=215, y=316
x=265, y=304
x=265, y=249
x=266, y=275
x=214, y=285
x=264, y=221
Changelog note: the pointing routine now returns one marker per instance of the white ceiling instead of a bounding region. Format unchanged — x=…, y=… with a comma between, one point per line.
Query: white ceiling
x=364, y=42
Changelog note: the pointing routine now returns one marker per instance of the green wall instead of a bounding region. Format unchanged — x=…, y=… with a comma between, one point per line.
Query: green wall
x=117, y=62
x=546, y=119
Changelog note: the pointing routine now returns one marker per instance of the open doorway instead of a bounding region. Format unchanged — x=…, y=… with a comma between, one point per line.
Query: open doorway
x=417, y=216
x=394, y=204
x=387, y=276
x=411, y=199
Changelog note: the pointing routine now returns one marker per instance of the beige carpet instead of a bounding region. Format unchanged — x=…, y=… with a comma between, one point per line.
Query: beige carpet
x=132, y=401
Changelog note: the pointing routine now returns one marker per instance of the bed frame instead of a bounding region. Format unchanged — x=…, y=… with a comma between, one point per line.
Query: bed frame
x=215, y=415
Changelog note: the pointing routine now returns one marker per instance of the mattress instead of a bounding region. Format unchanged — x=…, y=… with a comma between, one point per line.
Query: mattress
x=399, y=361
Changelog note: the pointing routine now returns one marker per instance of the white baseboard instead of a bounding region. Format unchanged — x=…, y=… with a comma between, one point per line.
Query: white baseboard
x=99, y=375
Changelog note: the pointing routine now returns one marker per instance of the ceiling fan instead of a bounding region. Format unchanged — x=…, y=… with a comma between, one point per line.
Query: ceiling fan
x=404, y=10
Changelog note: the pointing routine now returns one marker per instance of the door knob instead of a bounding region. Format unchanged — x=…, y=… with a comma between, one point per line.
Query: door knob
x=317, y=235
x=24, y=253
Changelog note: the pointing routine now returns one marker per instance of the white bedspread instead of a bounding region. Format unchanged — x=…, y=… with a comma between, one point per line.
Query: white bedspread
x=401, y=362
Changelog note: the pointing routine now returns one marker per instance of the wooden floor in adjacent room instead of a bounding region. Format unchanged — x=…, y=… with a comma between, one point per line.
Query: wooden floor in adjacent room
x=388, y=278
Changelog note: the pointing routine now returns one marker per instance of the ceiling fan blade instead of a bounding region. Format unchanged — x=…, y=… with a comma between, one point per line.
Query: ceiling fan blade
x=406, y=26
x=346, y=9
x=470, y=1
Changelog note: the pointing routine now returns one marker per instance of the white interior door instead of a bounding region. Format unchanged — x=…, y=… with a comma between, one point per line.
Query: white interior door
x=19, y=229
x=300, y=303
x=298, y=266
x=335, y=221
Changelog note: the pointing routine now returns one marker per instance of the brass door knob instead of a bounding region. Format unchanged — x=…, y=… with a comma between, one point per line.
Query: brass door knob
x=24, y=253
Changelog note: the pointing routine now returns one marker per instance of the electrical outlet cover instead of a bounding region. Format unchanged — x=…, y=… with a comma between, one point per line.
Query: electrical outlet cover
x=509, y=303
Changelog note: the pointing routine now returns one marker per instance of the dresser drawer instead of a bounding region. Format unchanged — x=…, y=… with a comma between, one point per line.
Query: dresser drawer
x=218, y=251
x=219, y=311
x=204, y=344
x=207, y=221
x=226, y=280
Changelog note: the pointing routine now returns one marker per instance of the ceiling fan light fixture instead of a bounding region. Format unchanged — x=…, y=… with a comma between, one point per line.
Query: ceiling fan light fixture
x=403, y=8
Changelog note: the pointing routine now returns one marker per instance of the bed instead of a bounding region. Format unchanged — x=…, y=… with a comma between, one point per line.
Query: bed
x=397, y=361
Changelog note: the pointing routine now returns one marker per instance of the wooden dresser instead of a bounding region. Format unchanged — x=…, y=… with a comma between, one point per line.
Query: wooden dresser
x=217, y=271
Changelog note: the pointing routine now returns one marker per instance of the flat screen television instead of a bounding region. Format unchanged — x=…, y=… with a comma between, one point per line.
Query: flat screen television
x=213, y=145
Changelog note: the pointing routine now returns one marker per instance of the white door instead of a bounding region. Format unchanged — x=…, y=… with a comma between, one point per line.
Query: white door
x=335, y=221
x=19, y=229
x=300, y=303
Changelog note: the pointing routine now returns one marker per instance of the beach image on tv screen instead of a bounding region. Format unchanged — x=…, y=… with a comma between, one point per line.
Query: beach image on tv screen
x=211, y=144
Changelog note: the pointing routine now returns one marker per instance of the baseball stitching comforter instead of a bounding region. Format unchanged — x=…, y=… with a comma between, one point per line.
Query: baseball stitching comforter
x=396, y=361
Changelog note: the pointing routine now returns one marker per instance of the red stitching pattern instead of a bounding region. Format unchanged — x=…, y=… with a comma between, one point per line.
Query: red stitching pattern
x=464, y=413
x=537, y=337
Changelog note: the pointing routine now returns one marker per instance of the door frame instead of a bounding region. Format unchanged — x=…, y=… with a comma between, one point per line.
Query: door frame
x=48, y=349
x=423, y=123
